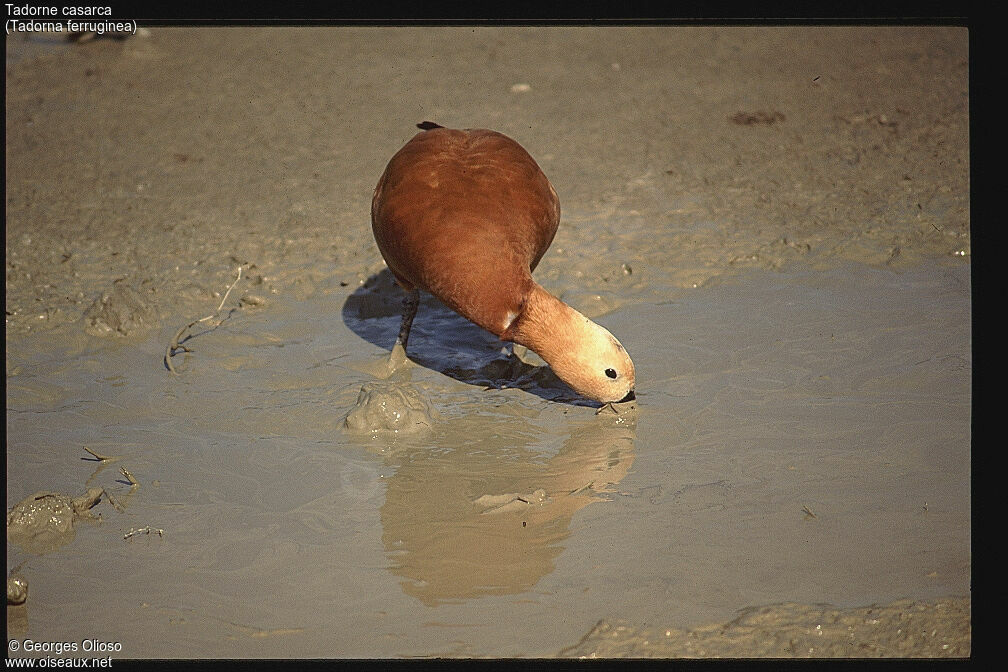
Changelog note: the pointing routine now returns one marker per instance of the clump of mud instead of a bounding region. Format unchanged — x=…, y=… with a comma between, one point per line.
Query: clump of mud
x=44, y=521
x=386, y=408
x=940, y=629
x=119, y=312
x=17, y=609
x=17, y=590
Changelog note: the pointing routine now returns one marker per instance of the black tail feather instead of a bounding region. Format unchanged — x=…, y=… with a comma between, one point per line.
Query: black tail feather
x=428, y=125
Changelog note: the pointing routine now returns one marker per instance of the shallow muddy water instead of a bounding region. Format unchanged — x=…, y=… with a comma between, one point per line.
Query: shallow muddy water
x=774, y=222
x=798, y=437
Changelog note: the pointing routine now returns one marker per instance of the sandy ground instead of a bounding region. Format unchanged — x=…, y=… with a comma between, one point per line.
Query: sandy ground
x=774, y=221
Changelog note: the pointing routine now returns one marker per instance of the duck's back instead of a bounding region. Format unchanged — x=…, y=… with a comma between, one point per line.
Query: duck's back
x=466, y=215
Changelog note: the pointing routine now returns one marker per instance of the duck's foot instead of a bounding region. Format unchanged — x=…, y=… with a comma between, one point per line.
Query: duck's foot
x=396, y=361
x=397, y=358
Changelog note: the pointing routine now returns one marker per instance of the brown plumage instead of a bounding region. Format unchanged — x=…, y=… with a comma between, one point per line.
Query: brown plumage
x=466, y=215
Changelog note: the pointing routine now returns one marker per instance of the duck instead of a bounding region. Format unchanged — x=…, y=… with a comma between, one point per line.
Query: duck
x=466, y=215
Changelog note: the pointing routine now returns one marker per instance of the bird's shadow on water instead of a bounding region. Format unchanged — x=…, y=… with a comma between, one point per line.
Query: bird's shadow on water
x=446, y=342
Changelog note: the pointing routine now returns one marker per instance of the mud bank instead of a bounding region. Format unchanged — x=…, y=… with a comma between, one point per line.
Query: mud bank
x=902, y=629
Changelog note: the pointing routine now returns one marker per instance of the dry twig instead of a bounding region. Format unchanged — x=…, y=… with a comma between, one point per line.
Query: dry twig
x=144, y=530
x=103, y=458
x=176, y=345
x=129, y=476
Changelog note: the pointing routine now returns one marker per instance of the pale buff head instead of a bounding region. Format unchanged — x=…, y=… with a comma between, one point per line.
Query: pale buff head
x=581, y=353
x=593, y=362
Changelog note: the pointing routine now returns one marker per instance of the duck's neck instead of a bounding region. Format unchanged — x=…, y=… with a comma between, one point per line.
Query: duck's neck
x=547, y=326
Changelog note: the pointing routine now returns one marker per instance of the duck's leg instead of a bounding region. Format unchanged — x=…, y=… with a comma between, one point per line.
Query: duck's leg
x=512, y=350
x=410, y=303
x=398, y=355
x=397, y=358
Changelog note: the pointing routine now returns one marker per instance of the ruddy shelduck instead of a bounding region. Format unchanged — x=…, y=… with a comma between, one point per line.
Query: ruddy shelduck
x=466, y=215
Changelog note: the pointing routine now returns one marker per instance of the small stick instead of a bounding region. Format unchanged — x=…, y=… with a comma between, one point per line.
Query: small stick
x=808, y=511
x=134, y=485
x=175, y=345
x=129, y=477
x=103, y=458
x=144, y=530
x=237, y=278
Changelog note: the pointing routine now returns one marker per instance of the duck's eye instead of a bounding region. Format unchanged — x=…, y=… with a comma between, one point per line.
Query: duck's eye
x=611, y=373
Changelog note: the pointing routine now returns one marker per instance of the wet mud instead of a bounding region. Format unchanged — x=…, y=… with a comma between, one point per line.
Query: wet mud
x=904, y=629
x=774, y=221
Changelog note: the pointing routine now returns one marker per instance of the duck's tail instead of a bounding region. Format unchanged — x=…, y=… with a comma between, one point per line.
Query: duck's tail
x=428, y=125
